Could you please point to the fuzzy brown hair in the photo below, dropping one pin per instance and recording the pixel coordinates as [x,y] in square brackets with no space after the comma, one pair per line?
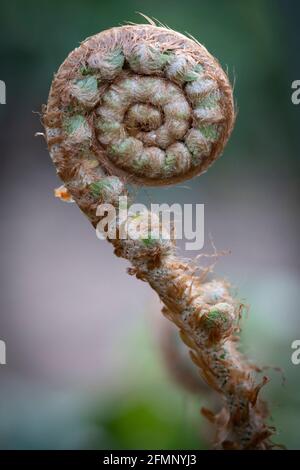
[147,105]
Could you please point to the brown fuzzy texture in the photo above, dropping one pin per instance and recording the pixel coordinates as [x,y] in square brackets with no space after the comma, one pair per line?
[147,105]
[178,363]
[127,37]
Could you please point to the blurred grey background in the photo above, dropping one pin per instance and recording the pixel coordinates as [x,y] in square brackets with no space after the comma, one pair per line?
[84,362]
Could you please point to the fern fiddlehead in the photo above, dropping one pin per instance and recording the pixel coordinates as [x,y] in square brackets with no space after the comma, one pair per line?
[146,105]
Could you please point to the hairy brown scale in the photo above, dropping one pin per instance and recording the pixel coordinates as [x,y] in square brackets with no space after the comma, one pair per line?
[146,105]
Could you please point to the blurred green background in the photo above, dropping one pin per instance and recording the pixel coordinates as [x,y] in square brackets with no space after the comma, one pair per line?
[85,362]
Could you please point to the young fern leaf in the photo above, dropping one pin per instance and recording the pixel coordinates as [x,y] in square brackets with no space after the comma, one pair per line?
[145,104]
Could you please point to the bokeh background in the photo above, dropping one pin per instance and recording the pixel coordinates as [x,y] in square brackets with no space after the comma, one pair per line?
[86,360]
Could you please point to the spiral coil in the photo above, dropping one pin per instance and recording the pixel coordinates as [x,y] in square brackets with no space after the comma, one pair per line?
[140,102]
[146,105]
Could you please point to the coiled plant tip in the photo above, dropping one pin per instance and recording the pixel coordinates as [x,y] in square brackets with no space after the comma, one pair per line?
[146,105]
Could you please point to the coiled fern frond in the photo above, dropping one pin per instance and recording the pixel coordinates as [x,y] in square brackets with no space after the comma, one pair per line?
[146,105]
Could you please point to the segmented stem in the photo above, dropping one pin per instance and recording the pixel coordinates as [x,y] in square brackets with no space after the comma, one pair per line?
[147,105]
